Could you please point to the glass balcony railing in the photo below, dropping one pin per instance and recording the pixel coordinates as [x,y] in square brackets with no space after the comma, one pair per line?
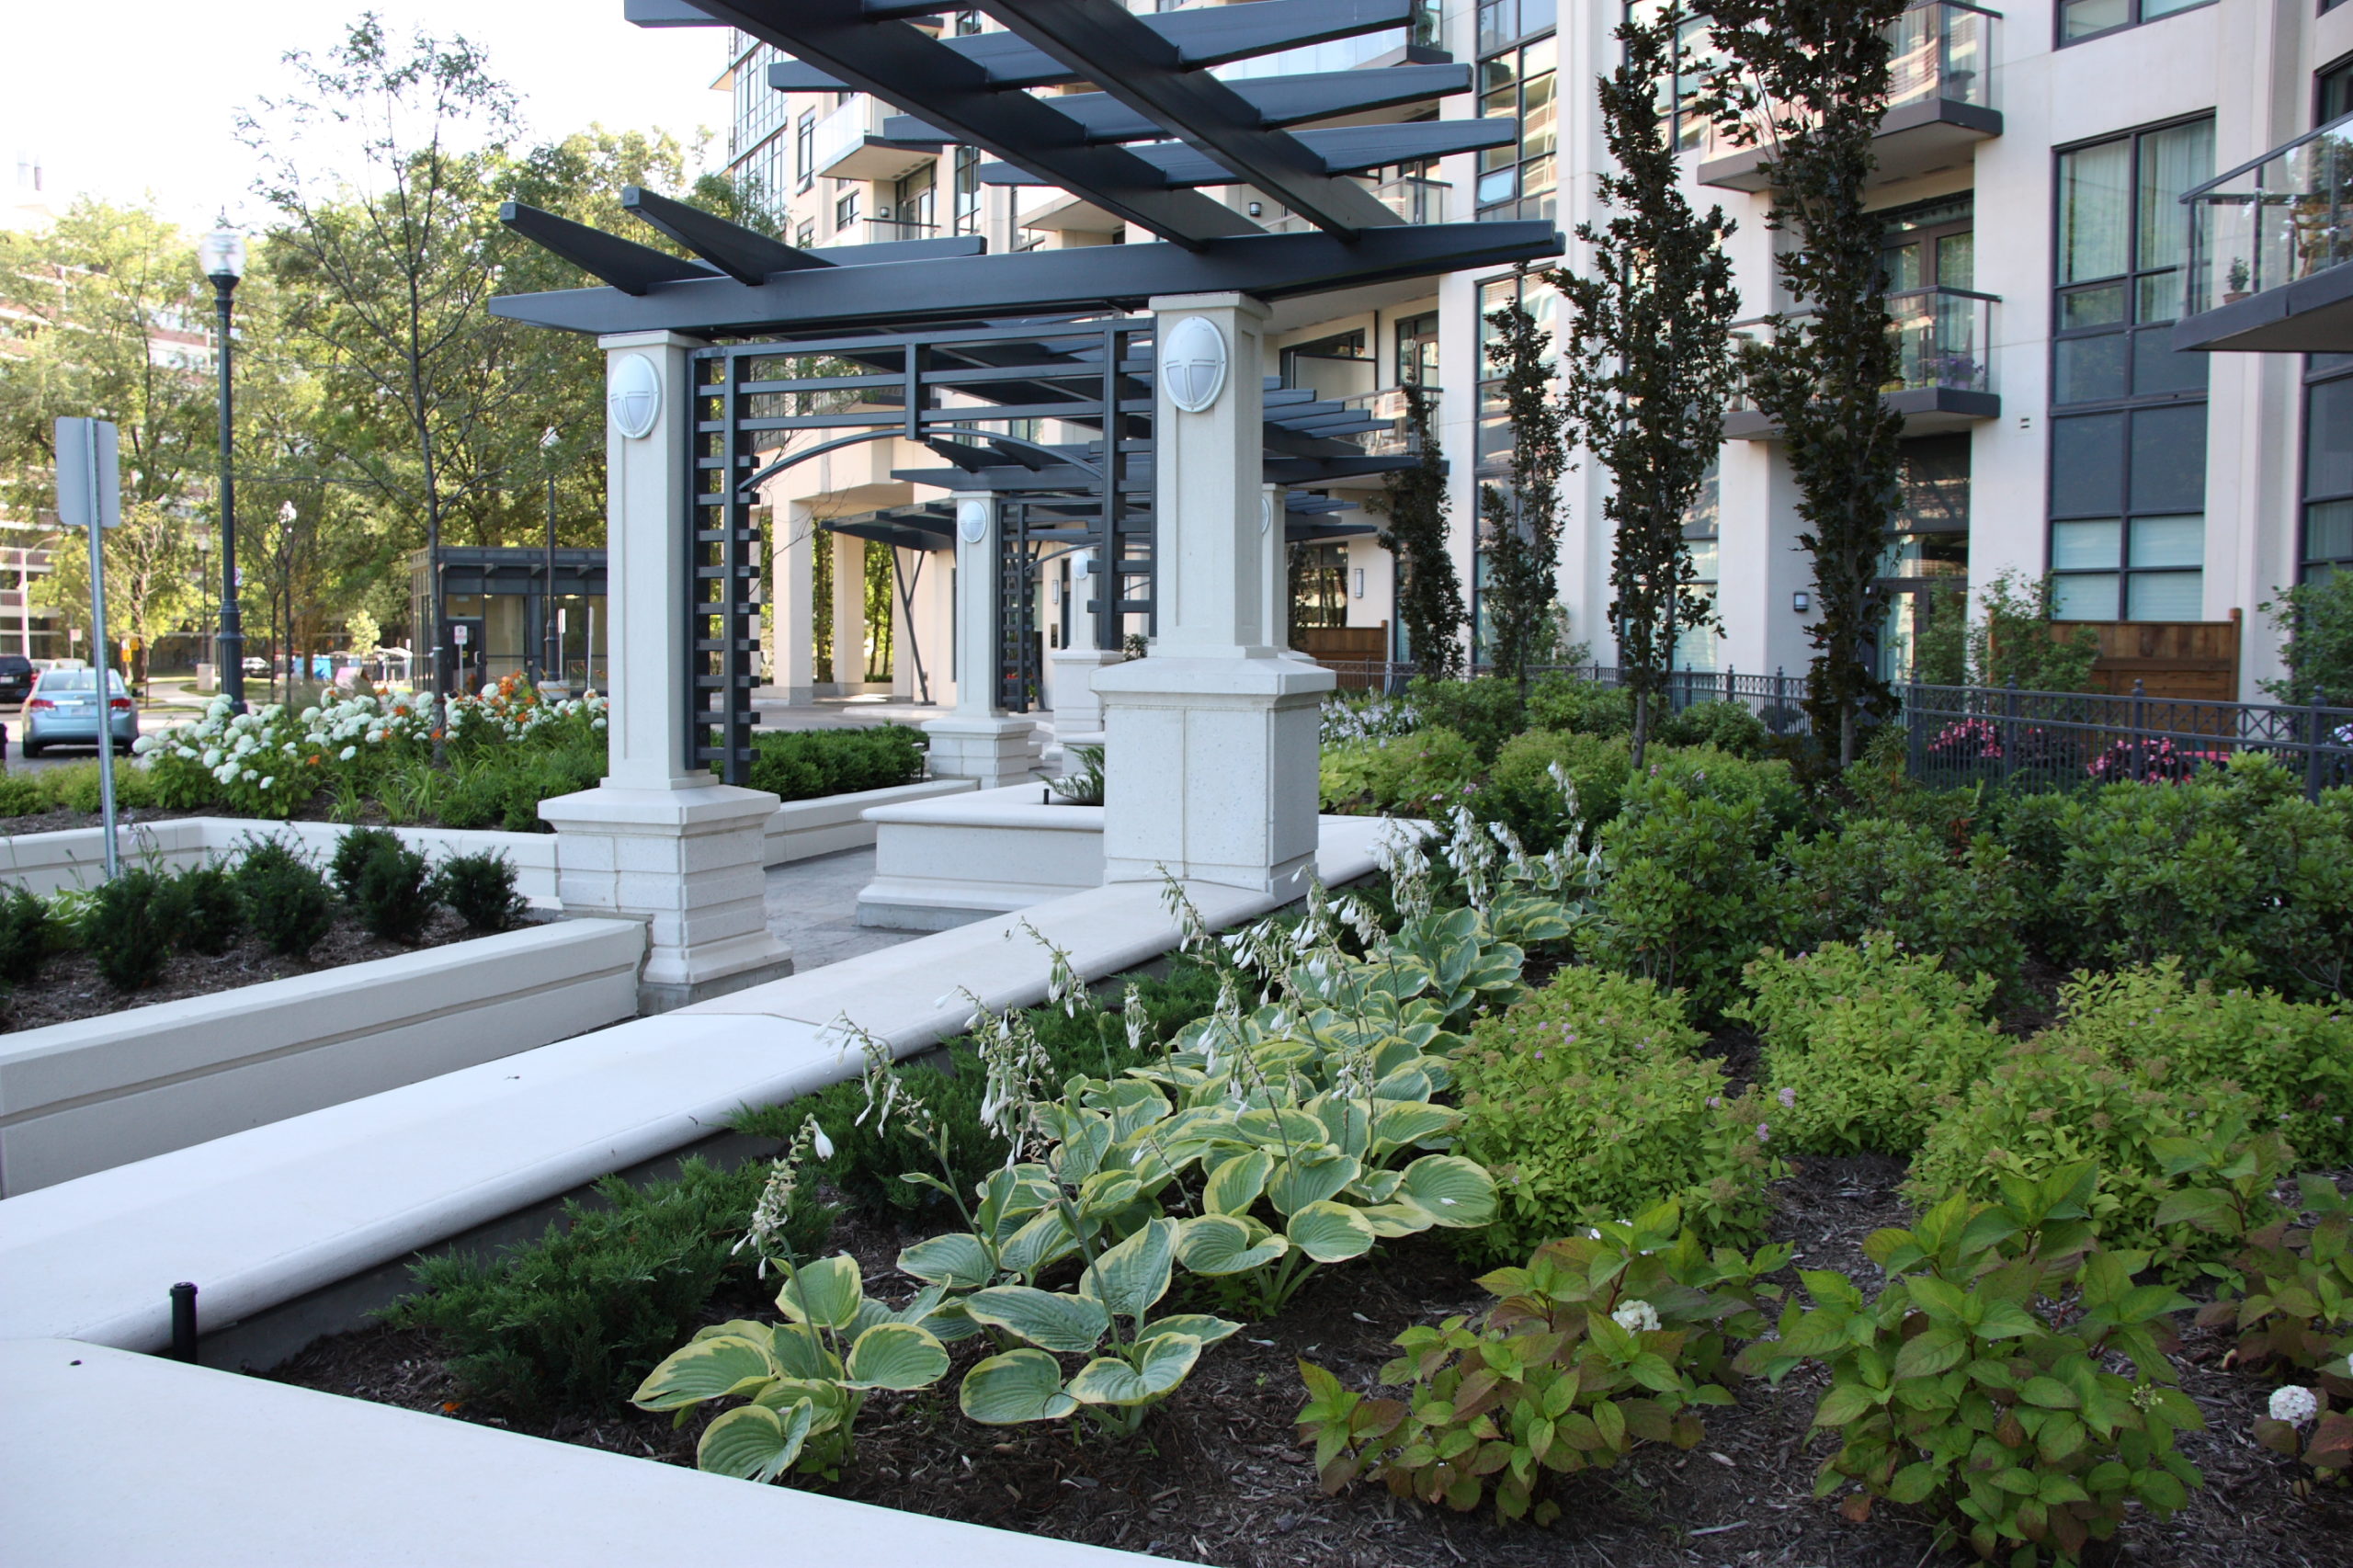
[1942,338]
[1942,53]
[1342,53]
[1414,200]
[882,231]
[1395,436]
[2285,216]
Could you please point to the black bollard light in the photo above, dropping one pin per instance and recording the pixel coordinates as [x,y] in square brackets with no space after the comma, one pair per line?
[183,1322]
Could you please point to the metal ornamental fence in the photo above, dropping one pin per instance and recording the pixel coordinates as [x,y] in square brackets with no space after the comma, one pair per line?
[2032,740]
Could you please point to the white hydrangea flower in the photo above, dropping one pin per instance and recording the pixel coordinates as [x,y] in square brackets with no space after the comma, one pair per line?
[2294,1406]
[350,752]
[1635,1317]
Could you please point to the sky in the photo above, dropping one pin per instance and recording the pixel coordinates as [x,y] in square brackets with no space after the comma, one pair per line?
[139,98]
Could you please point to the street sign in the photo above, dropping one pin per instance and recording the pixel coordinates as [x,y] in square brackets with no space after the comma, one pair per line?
[459,632]
[89,474]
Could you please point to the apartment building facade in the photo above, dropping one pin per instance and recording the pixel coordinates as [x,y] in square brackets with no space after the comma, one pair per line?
[2033,164]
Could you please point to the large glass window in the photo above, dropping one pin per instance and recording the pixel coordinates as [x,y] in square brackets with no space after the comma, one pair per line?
[1517,77]
[1928,547]
[804,149]
[1687,69]
[2080,19]
[1538,298]
[2327,546]
[2127,427]
[967,190]
[2333,92]
[1418,349]
[1696,646]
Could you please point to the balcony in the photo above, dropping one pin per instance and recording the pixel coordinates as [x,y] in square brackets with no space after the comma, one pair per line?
[848,143]
[2268,241]
[882,231]
[1414,200]
[1068,214]
[1944,375]
[1939,102]
[1395,436]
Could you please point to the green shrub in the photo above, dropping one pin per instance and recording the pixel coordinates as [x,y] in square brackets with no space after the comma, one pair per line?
[286,901]
[202,910]
[26,934]
[1522,794]
[1484,711]
[1580,707]
[2296,1058]
[21,796]
[352,851]
[468,799]
[2056,1102]
[1688,896]
[800,764]
[182,783]
[1878,875]
[1862,1042]
[1599,1344]
[1981,1384]
[1414,774]
[125,929]
[393,893]
[2316,622]
[572,1321]
[1586,1103]
[481,889]
[1727,726]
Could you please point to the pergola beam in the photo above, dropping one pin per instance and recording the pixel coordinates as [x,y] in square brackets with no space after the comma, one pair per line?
[1279,100]
[1341,149]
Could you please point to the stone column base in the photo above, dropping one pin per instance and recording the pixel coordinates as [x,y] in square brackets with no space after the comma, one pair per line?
[996,752]
[1211,770]
[1078,712]
[686,862]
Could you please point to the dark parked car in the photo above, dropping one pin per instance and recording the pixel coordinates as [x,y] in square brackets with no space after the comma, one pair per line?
[16,677]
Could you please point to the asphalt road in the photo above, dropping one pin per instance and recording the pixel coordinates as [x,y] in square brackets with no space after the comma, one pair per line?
[152,720]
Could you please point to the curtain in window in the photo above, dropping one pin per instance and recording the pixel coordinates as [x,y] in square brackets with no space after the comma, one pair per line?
[2094,224]
[2171,162]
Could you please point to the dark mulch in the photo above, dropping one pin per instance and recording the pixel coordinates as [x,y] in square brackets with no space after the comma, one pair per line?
[126,819]
[1217,1477]
[68,986]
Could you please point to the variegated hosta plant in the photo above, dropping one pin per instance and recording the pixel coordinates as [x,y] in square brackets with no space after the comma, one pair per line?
[1135,1360]
[805,1378]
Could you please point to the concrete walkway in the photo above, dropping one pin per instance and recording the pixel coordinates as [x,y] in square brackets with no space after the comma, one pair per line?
[812,909]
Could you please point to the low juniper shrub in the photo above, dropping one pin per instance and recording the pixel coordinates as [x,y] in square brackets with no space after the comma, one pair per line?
[26,934]
[287,901]
[126,931]
[572,1321]
[203,910]
[481,890]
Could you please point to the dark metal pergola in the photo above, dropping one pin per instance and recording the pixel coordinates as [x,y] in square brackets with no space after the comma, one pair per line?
[941,342]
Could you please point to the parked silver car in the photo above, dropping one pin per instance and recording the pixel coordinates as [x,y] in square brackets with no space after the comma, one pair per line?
[63,711]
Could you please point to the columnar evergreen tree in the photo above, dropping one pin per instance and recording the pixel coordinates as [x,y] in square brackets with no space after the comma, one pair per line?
[1522,526]
[1430,590]
[1806,82]
[1650,364]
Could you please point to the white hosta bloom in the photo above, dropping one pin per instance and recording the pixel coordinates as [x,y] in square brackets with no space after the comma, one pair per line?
[823,1144]
[1635,1317]
[2294,1406]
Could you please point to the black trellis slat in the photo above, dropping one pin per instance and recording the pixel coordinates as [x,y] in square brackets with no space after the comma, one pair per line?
[723,580]
[1017,612]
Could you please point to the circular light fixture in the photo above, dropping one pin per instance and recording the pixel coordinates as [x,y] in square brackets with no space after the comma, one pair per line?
[221,253]
[1192,364]
[634,396]
[972,522]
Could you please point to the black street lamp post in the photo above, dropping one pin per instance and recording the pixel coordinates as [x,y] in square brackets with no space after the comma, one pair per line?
[552,648]
[222,253]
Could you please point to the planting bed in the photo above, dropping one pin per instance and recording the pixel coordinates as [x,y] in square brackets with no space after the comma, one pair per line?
[69,988]
[1218,1477]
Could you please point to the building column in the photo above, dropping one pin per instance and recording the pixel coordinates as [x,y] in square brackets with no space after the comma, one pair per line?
[980,739]
[660,840]
[792,651]
[1210,739]
[850,610]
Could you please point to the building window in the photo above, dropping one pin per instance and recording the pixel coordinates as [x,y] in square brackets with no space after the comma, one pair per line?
[967,216]
[2327,546]
[1539,300]
[1516,79]
[1688,65]
[1319,588]
[2333,96]
[1928,547]
[804,150]
[2080,19]
[806,234]
[910,207]
[1695,646]
[1418,349]
[846,210]
[2127,427]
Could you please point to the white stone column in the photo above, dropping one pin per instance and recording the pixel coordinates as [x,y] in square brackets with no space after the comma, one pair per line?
[660,840]
[793,654]
[850,610]
[980,739]
[1211,740]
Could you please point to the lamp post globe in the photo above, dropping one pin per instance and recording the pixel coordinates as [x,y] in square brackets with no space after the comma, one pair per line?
[222,254]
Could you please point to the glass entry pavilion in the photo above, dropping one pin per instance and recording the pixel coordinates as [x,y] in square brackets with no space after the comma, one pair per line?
[505,600]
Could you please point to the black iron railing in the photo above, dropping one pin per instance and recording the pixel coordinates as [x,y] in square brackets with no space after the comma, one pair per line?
[1778,699]
[2047,740]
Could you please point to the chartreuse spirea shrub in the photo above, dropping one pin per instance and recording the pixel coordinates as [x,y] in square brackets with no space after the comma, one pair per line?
[1418,774]
[1962,904]
[1605,1340]
[1586,1099]
[1983,1383]
[1865,1041]
[573,1321]
[2056,1103]
[2296,1058]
